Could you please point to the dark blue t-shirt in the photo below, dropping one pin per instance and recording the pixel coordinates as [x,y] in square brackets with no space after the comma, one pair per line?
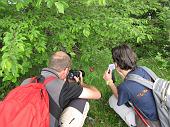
[137,94]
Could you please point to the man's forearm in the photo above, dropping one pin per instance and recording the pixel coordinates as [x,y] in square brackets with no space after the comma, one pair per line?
[88,86]
[90,92]
[113,88]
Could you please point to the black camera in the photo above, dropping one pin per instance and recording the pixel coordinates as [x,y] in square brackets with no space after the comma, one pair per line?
[76,73]
[113,77]
[111,68]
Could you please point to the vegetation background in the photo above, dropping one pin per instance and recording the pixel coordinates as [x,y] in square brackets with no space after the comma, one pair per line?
[31,30]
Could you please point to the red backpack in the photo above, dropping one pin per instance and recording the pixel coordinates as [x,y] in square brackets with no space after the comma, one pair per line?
[26,105]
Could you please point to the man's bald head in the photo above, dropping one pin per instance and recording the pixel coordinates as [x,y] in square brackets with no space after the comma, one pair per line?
[59,61]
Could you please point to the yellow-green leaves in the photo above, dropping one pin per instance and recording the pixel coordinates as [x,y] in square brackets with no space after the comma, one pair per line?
[49,3]
[86,32]
[60,7]
[102,2]
[99,2]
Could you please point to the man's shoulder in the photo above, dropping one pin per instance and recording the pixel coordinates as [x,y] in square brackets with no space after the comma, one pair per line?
[132,85]
[25,81]
[63,85]
[127,85]
[141,72]
[71,86]
[55,84]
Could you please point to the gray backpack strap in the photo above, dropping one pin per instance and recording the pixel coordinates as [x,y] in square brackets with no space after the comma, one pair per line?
[150,72]
[140,80]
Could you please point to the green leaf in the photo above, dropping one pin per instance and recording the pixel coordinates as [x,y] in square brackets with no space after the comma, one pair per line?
[49,3]
[19,6]
[139,40]
[6,64]
[65,4]
[60,7]
[21,47]
[7,77]
[149,37]
[4,48]
[1,74]
[86,32]
[38,3]
[102,2]
[2,8]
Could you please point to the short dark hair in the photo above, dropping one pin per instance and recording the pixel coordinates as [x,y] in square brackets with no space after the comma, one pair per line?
[124,56]
[59,61]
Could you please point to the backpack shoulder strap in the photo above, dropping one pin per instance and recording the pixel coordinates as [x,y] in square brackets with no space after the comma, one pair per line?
[140,80]
[42,79]
[150,72]
[49,79]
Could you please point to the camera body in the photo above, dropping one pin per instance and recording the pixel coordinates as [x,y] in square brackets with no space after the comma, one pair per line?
[111,68]
[76,73]
[113,77]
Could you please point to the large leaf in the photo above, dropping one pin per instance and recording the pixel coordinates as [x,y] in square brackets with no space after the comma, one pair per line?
[60,7]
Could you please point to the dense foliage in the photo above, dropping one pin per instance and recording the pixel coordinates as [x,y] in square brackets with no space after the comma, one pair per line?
[32,29]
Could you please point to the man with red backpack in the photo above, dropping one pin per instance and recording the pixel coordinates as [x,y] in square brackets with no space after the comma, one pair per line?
[68,101]
[26,105]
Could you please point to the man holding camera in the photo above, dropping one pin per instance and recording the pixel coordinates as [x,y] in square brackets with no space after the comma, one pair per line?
[138,95]
[68,101]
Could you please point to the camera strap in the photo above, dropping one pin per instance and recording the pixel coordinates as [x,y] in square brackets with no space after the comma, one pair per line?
[51,70]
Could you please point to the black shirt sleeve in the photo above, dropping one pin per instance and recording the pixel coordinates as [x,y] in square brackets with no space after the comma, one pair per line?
[70,91]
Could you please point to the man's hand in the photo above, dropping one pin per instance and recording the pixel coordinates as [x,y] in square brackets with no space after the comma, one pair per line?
[79,79]
[89,92]
[108,76]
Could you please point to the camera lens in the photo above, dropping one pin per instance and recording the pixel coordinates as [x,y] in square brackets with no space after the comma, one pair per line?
[76,73]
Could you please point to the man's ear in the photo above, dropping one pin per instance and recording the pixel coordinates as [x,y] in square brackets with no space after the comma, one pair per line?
[66,70]
[116,65]
[64,73]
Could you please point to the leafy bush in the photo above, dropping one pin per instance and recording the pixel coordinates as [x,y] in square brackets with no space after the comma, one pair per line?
[32,30]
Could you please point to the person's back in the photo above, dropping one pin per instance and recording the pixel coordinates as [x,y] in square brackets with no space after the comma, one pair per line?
[60,93]
[140,97]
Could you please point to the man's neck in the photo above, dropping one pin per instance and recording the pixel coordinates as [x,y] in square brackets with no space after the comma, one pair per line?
[125,72]
[52,71]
